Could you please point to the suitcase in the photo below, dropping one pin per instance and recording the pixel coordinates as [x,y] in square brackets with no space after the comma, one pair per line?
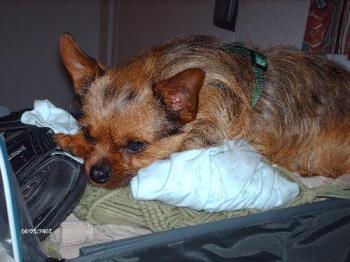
[311,232]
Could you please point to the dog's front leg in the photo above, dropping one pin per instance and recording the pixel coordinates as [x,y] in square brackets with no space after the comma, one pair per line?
[76,144]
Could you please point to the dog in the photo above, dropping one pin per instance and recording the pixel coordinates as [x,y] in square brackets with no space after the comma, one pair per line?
[190,93]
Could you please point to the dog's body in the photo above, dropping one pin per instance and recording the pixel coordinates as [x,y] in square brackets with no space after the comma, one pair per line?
[189,93]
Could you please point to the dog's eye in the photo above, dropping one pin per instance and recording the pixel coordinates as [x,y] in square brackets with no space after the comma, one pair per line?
[134,147]
[88,136]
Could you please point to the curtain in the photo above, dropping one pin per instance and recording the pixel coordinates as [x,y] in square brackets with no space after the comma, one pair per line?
[328,27]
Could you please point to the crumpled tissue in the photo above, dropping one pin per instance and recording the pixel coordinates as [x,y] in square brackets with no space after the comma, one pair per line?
[45,114]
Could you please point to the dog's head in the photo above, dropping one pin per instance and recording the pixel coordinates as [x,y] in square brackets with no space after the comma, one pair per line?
[131,116]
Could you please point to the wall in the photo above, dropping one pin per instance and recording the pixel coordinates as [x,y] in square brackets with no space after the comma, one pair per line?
[30,67]
[112,30]
[271,22]
[143,24]
[115,31]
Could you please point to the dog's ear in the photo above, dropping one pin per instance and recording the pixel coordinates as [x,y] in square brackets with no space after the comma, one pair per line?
[82,68]
[180,93]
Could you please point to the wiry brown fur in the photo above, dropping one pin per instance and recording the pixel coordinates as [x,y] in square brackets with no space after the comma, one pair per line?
[301,122]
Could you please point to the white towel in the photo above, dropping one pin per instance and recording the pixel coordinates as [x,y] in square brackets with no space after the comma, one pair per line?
[225,178]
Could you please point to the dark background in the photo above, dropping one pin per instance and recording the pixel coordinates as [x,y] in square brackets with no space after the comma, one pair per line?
[116,30]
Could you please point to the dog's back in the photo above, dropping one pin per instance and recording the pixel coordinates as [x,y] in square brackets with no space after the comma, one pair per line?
[302,120]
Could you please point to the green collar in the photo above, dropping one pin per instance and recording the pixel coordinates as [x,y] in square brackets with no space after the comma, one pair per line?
[259,64]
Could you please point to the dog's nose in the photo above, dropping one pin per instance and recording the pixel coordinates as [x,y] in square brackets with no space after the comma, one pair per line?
[100,173]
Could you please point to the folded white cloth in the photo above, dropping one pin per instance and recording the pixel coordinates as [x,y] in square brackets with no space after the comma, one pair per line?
[225,178]
[45,114]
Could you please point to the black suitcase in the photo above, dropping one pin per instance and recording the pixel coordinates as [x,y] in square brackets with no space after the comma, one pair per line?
[50,181]
[318,232]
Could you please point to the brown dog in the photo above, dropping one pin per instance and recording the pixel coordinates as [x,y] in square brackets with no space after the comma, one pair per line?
[189,93]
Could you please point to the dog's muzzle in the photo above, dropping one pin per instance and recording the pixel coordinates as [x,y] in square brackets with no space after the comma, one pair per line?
[100,173]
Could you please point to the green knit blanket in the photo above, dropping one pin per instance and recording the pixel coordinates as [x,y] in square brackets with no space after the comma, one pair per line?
[102,206]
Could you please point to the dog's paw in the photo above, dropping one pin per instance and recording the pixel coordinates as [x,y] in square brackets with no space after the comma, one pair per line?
[75,144]
[64,141]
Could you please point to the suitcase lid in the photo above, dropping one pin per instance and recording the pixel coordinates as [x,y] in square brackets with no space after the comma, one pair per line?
[16,244]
